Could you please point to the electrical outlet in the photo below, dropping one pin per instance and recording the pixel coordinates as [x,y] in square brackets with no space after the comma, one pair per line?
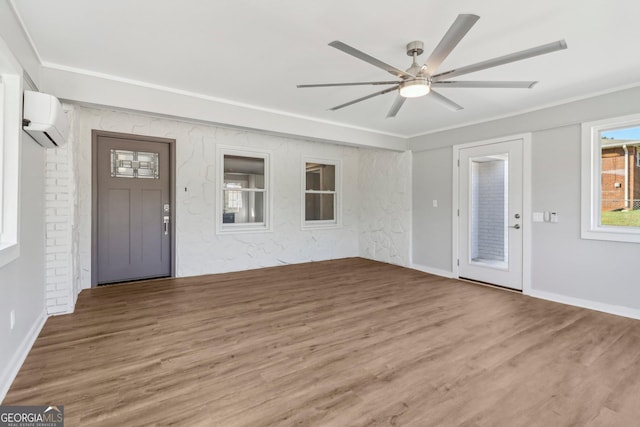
[554,216]
[12,319]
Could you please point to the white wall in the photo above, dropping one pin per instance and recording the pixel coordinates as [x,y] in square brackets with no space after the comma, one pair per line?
[199,249]
[432,225]
[563,263]
[22,281]
[384,200]
[12,33]
[102,89]
[598,274]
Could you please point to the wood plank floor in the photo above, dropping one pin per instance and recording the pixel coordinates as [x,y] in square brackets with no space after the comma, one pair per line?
[338,343]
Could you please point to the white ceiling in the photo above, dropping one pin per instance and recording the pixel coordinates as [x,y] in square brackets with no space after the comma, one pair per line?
[255,52]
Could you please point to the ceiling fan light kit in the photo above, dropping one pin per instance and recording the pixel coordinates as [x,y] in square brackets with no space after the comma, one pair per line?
[414,88]
[419,80]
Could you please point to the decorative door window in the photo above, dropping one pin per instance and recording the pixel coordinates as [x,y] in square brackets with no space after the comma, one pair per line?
[134,164]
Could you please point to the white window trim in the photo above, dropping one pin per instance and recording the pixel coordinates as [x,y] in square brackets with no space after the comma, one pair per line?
[11,117]
[591,182]
[322,224]
[267,225]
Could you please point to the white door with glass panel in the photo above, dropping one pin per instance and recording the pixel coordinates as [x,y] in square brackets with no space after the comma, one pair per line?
[490,213]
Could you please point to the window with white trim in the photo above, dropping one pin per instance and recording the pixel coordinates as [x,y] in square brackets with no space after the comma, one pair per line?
[610,179]
[1,152]
[320,193]
[10,131]
[243,191]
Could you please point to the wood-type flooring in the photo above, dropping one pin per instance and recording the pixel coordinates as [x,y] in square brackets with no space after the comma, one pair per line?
[348,342]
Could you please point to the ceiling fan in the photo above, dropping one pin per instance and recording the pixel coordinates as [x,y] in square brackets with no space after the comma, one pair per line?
[419,80]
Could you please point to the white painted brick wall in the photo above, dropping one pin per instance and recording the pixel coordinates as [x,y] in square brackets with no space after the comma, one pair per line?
[57,219]
[61,241]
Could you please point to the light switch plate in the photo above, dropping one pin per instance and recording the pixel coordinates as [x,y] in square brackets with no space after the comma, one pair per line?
[538,217]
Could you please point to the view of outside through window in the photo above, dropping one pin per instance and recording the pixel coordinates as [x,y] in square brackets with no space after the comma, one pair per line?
[1,148]
[320,192]
[243,190]
[620,177]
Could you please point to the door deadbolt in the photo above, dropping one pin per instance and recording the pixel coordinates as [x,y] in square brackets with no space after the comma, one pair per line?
[517,216]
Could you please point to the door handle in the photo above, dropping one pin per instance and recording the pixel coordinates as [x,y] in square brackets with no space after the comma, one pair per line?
[517,226]
[165,222]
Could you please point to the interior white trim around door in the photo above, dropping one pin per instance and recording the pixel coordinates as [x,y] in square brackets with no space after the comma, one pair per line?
[526,203]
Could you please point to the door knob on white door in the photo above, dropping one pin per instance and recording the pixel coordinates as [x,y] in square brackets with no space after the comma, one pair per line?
[517,226]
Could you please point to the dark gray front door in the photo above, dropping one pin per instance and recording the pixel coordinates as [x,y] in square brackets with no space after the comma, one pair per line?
[133,209]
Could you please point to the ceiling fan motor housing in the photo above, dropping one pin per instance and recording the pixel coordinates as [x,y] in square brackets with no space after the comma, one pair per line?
[416,47]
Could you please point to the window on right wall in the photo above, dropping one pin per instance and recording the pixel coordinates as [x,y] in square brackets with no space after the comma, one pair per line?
[321,185]
[611,179]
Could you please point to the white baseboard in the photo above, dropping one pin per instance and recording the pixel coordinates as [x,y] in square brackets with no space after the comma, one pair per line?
[11,370]
[618,310]
[431,270]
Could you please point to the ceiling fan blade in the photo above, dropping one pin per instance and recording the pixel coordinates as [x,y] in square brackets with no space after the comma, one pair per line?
[445,101]
[382,92]
[397,104]
[348,84]
[513,57]
[483,84]
[370,59]
[456,32]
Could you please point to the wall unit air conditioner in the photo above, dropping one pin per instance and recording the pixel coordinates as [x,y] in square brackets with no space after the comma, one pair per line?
[44,119]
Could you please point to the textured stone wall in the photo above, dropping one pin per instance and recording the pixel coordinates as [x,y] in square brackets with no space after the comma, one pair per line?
[384,201]
[199,249]
[375,196]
